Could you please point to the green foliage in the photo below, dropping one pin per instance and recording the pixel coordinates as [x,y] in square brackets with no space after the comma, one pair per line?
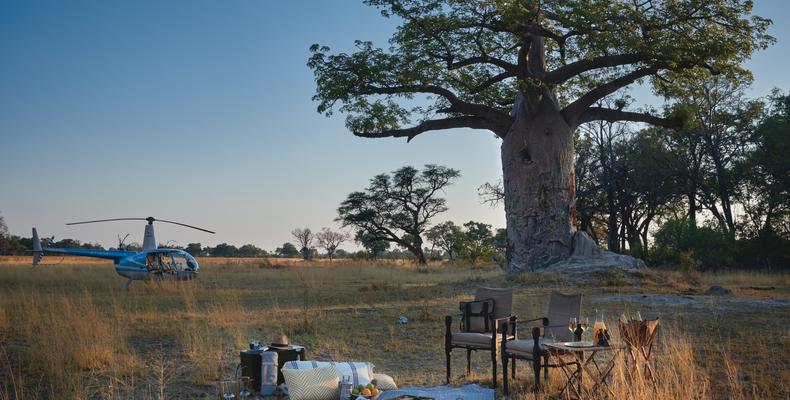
[224,250]
[249,250]
[448,237]
[375,247]
[3,227]
[678,242]
[474,242]
[467,58]
[398,207]
[288,250]
[767,180]
[195,249]
[767,249]
[478,242]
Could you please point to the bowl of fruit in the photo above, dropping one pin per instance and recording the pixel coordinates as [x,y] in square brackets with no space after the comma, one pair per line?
[369,391]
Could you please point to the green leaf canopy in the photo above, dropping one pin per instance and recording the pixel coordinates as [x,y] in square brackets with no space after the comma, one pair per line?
[465,63]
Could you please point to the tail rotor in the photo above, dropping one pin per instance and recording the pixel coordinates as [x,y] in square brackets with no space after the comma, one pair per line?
[38,251]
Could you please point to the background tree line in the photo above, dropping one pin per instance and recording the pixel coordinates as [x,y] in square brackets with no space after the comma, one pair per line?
[712,194]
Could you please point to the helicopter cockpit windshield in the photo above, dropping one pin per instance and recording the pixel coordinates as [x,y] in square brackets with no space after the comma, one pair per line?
[171,262]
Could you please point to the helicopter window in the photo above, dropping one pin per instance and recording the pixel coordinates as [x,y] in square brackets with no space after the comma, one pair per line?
[183,263]
[170,262]
[152,262]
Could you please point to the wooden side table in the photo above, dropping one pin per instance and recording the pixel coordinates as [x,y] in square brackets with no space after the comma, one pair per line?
[285,354]
[576,362]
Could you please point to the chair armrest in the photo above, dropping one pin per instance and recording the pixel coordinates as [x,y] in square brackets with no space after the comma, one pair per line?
[536,350]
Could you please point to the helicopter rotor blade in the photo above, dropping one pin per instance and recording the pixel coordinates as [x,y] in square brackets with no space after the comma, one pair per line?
[106,220]
[149,219]
[188,226]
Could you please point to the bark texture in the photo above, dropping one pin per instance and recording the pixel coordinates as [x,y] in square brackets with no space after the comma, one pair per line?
[537,166]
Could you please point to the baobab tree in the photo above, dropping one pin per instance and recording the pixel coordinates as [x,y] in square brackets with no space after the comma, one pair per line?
[530,72]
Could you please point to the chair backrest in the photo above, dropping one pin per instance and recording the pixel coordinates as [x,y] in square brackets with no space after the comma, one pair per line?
[561,308]
[476,316]
[503,300]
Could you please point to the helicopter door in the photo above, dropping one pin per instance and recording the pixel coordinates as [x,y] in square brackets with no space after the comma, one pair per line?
[159,263]
[152,262]
[167,264]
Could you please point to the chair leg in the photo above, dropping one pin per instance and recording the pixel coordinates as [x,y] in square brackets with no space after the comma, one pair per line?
[504,373]
[513,368]
[447,354]
[468,362]
[536,371]
[493,365]
[448,343]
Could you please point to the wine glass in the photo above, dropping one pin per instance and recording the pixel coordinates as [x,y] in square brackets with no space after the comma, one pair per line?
[572,326]
[584,323]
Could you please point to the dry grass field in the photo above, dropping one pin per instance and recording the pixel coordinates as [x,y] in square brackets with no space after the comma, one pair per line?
[70,331]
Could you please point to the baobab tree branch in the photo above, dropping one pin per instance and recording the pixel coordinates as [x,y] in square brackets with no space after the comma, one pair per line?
[568,71]
[492,80]
[457,105]
[612,115]
[574,110]
[484,59]
[432,125]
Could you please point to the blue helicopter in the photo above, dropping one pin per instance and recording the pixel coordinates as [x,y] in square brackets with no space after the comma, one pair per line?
[149,264]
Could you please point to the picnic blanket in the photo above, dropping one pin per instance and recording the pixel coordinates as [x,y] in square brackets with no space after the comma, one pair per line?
[468,392]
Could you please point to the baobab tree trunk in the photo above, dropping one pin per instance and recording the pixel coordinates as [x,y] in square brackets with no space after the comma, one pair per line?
[537,166]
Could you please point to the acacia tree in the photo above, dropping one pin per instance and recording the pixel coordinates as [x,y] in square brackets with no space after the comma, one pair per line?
[374,246]
[530,72]
[288,250]
[304,237]
[398,208]
[448,237]
[330,240]
[478,241]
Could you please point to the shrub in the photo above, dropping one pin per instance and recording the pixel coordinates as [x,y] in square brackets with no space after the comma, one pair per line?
[767,249]
[680,243]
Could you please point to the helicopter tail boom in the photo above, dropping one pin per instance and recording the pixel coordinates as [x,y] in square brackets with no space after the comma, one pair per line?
[38,251]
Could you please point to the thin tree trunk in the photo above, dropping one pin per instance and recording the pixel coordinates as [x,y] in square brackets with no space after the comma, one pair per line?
[692,197]
[612,241]
[537,166]
[420,256]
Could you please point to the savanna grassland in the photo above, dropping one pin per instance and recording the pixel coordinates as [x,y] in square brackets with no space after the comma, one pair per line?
[70,331]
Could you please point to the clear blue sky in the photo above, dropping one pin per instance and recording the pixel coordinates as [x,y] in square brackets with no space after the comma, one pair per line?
[201,112]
